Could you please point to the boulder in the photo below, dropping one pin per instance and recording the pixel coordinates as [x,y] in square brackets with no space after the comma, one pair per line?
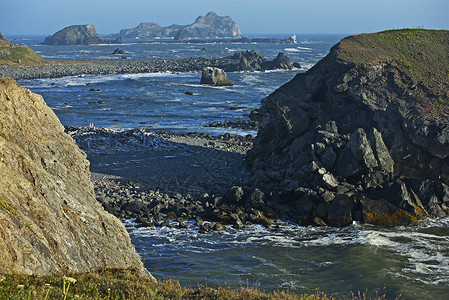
[50,220]
[118,51]
[217,76]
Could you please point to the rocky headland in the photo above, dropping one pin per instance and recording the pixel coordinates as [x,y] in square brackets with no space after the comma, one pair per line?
[50,221]
[75,35]
[243,61]
[208,26]
[18,55]
[362,136]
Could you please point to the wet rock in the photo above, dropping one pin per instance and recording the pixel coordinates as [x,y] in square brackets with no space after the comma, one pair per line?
[219,227]
[383,213]
[118,51]
[339,215]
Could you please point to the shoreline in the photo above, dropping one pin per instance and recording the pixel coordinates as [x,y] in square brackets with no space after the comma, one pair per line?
[158,178]
[245,61]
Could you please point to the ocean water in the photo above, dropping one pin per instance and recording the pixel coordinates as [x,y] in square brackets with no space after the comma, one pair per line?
[158,100]
[411,262]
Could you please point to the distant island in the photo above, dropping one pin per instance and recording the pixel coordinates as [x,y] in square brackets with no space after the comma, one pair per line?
[75,35]
[208,26]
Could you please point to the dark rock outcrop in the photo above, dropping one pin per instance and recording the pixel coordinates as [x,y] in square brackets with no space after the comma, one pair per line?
[118,51]
[208,26]
[75,35]
[217,76]
[355,140]
[49,219]
[252,60]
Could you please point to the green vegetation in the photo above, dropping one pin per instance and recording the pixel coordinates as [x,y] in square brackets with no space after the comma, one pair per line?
[11,54]
[122,284]
[422,55]
[420,58]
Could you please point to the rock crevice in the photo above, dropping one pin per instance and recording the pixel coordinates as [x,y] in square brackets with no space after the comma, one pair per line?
[356,137]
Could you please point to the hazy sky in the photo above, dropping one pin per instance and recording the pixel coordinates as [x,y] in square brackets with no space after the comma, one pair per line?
[253,16]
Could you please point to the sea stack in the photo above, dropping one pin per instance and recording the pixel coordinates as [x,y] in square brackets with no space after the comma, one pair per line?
[49,218]
[75,35]
[363,135]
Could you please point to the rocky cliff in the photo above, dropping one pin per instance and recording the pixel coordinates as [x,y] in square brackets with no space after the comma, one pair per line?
[49,218]
[75,35]
[363,135]
[209,26]
[13,55]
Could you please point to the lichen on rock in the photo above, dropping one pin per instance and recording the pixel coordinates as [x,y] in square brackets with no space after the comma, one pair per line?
[50,220]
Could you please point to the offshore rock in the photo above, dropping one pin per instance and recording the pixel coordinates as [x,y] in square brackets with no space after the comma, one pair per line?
[204,27]
[252,60]
[217,76]
[362,132]
[49,218]
[75,35]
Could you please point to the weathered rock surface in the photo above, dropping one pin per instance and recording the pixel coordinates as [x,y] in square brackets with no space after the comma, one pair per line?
[208,26]
[49,218]
[357,141]
[217,76]
[75,35]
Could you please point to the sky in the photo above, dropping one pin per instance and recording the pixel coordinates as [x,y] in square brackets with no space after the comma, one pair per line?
[253,16]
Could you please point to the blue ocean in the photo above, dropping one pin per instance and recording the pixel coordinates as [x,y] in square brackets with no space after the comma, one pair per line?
[409,262]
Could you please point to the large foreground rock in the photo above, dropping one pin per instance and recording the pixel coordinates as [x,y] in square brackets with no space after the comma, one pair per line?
[49,218]
[363,135]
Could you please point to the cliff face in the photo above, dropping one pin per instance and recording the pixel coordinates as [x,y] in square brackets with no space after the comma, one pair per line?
[75,35]
[209,26]
[49,218]
[363,135]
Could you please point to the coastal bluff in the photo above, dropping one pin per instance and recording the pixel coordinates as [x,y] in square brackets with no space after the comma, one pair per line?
[362,136]
[50,221]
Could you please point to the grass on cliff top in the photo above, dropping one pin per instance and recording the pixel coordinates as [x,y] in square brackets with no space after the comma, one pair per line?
[122,284]
[9,54]
[423,55]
